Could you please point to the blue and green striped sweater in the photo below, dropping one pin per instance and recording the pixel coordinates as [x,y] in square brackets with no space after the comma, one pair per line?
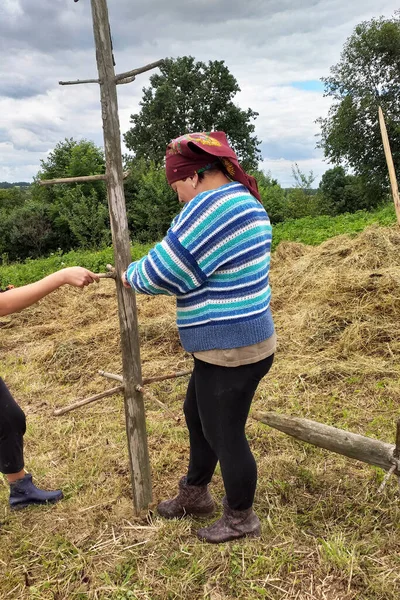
[215,259]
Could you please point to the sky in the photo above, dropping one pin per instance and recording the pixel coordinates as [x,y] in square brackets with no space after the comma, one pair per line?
[278,50]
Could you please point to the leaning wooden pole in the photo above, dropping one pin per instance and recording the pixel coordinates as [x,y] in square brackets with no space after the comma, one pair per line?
[134,404]
[389,160]
[368,450]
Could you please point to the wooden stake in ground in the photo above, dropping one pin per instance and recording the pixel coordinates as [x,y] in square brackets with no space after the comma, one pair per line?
[132,374]
[389,160]
[134,405]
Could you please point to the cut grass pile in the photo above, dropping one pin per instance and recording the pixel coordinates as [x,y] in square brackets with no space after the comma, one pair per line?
[327,534]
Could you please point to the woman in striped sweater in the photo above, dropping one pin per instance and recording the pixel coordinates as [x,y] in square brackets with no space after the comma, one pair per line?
[215,259]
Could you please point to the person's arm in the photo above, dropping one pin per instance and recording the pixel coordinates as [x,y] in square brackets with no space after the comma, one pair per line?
[212,230]
[18,298]
[167,269]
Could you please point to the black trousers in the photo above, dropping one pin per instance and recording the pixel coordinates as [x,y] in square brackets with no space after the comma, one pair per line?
[12,429]
[216,408]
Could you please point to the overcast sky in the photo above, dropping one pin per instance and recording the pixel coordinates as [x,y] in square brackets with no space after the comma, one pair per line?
[277,49]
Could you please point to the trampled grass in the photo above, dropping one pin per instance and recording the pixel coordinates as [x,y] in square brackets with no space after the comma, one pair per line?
[327,533]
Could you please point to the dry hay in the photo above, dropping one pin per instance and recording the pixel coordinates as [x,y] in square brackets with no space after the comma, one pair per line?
[338,303]
[325,534]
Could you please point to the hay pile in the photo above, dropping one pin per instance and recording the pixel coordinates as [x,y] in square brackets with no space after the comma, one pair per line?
[337,305]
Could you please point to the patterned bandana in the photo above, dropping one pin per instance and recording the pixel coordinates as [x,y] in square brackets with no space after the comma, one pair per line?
[196,152]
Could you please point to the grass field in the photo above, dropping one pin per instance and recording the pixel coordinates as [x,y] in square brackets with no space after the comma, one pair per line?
[309,230]
[327,534]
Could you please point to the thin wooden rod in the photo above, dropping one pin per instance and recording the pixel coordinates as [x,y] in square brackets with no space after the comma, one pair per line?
[109,275]
[112,376]
[164,377]
[150,396]
[73,179]
[83,179]
[78,81]
[135,72]
[61,411]
[147,379]
[127,80]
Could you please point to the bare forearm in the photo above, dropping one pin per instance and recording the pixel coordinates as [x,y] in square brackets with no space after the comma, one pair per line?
[19,298]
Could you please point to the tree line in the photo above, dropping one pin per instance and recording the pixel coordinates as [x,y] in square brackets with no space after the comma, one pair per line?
[195,96]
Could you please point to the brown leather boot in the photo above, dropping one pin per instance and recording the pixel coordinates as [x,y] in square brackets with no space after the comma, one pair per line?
[233,524]
[193,500]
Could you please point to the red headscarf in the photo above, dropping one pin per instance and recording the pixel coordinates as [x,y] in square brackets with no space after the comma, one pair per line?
[188,154]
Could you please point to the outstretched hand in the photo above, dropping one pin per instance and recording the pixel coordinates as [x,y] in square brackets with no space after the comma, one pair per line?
[78,276]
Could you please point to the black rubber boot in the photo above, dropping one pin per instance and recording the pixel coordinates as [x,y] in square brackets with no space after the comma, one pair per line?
[193,500]
[24,493]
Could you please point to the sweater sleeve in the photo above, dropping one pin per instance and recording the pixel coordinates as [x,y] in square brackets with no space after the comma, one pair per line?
[212,229]
[167,269]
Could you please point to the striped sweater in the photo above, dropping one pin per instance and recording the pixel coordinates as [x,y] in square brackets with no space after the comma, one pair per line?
[215,259]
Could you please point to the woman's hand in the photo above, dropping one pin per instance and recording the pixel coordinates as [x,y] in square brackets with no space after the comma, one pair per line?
[124,280]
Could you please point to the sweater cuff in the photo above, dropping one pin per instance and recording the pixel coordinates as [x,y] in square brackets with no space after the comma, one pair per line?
[130,272]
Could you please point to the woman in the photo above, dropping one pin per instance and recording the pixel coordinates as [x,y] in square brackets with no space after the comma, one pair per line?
[215,260]
[23,492]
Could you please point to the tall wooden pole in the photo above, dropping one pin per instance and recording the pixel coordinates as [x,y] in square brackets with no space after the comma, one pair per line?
[389,161]
[134,405]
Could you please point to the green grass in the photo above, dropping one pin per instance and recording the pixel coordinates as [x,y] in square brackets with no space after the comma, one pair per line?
[315,230]
[33,269]
[326,532]
[309,230]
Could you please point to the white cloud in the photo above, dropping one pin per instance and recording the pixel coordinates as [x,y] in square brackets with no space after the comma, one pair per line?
[267,45]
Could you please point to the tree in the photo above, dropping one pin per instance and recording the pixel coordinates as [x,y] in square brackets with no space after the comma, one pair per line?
[78,212]
[302,181]
[346,193]
[367,75]
[191,96]
[151,203]
[29,232]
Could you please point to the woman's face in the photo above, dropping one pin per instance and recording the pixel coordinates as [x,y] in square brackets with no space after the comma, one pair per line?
[185,189]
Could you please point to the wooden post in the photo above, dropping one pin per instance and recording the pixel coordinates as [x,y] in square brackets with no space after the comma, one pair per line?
[353,445]
[134,405]
[389,160]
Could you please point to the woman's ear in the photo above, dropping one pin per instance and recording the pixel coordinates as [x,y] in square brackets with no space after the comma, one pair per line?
[195,180]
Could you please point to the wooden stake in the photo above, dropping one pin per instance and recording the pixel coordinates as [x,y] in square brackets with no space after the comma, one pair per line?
[368,450]
[132,375]
[389,160]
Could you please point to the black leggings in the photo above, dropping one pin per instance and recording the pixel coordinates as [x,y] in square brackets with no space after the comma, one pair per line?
[12,429]
[216,407]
